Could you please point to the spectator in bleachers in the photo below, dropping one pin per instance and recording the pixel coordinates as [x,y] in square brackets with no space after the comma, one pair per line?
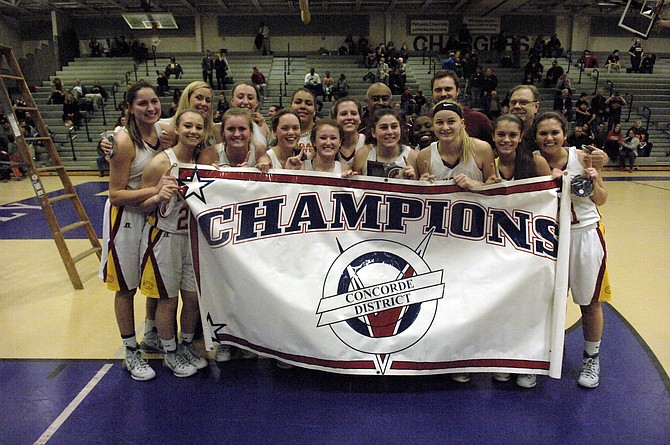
[553,74]
[583,115]
[380,52]
[370,59]
[382,71]
[57,94]
[648,62]
[613,62]
[563,104]
[450,62]
[396,81]
[403,52]
[475,83]
[613,142]
[599,105]
[628,151]
[515,46]
[78,89]
[563,83]
[636,52]
[341,88]
[600,135]
[590,60]
[407,102]
[221,68]
[94,47]
[490,83]
[616,103]
[554,46]
[71,111]
[578,138]
[173,68]
[258,79]
[162,83]
[533,68]
[644,148]
[264,33]
[223,105]
[207,65]
[391,54]
[328,85]
[313,82]
[492,105]
[420,100]
[97,94]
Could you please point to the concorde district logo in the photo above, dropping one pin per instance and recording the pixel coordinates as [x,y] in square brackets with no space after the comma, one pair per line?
[376,290]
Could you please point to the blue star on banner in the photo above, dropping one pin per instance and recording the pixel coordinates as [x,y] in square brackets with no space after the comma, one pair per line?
[195,186]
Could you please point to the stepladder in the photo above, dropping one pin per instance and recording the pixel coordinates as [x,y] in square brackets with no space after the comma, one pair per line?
[17,103]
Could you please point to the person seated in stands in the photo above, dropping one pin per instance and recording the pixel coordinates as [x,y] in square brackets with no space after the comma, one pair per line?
[599,105]
[613,62]
[648,62]
[554,46]
[97,94]
[563,83]
[420,100]
[616,103]
[341,88]
[370,60]
[382,71]
[313,82]
[563,104]
[78,89]
[590,59]
[162,83]
[613,142]
[57,94]
[450,62]
[223,105]
[578,138]
[396,81]
[95,48]
[71,111]
[553,74]
[628,151]
[173,68]
[328,85]
[489,84]
[583,115]
[534,68]
[600,135]
[258,79]
[403,52]
[644,148]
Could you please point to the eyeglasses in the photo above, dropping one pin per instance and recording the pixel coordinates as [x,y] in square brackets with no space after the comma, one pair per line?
[523,103]
[380,98]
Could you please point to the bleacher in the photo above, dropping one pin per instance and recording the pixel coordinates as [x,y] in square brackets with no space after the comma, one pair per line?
[649,91]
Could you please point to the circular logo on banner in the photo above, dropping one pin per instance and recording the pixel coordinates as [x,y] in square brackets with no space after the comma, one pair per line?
[380,297]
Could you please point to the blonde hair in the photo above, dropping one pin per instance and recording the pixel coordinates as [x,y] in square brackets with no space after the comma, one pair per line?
[467,146]
[185,104]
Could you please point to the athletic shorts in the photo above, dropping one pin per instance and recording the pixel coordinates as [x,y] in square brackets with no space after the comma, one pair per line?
[588,279]
[122,235]
[166,264]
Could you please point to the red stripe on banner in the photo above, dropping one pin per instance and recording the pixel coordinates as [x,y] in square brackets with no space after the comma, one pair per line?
[334,364]
[397,186]
[478,363]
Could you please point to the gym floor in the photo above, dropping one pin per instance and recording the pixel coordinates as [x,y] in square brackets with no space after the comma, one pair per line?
[63,380]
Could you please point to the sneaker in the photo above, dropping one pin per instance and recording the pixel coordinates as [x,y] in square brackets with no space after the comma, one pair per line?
[224,354]
[137,366]
[246,355]
[502,376]
[460,378]
[284,365]
[526,380]
[187,350]
[590,376]
[151,342]
[179,365]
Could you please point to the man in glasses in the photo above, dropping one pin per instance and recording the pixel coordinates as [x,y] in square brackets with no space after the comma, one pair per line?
[445,86]
[524,101]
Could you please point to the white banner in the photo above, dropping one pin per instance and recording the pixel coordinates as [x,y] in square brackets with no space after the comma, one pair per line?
[367,276]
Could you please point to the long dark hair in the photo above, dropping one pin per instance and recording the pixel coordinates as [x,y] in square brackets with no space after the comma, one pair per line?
[524,164]
[131,125]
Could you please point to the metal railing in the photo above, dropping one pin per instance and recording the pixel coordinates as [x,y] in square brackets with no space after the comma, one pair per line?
[629,98]
[71,137]
[596,74]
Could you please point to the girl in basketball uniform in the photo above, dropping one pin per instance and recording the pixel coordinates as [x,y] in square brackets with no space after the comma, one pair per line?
[135,146]
[454,155]
[347,112]
[303,102]
[246,95]
[587,276]
[287,130]
[167,268]
[397,160]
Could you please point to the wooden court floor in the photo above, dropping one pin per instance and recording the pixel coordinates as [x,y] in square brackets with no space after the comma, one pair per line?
[43,318]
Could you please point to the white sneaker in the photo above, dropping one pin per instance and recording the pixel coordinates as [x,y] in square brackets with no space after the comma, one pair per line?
[502,376]
[179,365]
[526,380]
[590,376]
[460,378]
[189,353]
[137,366]
[224,354]
[151,342]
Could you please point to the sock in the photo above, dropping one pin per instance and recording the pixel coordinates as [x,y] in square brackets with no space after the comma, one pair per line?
[187,338]
[170,346]
[149,325]
[591,348]
[130,342]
